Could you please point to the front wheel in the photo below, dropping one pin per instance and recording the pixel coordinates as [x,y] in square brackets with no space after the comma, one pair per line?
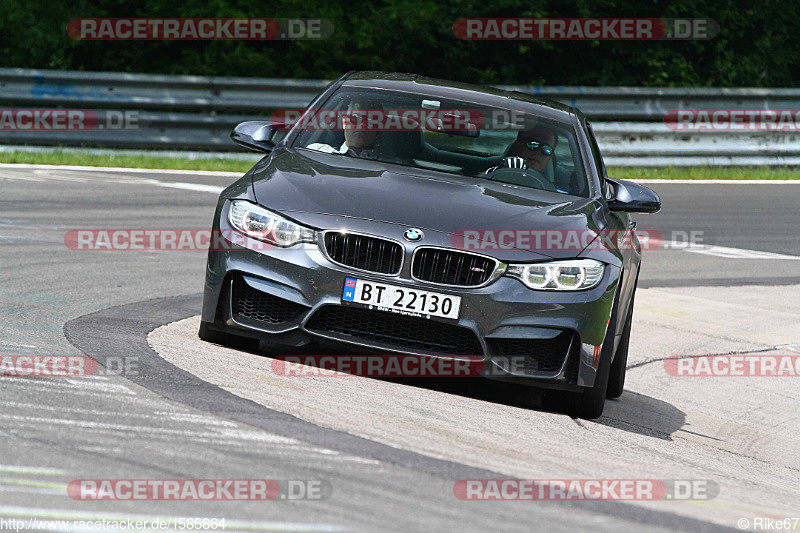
[590,402]
[616,379]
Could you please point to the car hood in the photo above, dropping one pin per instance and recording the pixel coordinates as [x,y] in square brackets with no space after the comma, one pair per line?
[306,183]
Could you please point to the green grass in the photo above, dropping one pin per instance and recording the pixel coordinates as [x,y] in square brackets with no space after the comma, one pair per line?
[233,165]
[705,173]
[127,161]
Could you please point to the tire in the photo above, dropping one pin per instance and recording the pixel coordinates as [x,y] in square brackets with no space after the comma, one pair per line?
[590,402]
[616,376]
[616,380]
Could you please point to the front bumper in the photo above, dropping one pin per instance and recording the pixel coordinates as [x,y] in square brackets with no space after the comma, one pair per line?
[291,296]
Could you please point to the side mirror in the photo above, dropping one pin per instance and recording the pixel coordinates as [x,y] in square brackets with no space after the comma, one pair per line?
[255,135]
[632,197]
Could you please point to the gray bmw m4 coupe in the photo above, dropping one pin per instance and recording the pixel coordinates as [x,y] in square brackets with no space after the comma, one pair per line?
[408,215]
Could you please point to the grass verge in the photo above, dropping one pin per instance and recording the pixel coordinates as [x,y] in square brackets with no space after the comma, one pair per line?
[234,165]
[705,173]
[126,161]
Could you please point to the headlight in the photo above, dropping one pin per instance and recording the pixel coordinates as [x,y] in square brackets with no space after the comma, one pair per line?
[570,275]
[258,223]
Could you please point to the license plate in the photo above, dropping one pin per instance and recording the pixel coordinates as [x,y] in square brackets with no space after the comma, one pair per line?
[401,300]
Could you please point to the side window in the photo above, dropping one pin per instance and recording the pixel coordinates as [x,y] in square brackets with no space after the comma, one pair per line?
[598,160]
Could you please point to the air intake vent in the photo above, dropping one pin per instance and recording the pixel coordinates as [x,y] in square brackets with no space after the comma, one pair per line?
[388,330]
[535,356]
[450,267]
[253,306]
[364,253]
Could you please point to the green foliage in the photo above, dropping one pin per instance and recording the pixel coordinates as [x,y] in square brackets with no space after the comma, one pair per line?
[57,157]
[756,45]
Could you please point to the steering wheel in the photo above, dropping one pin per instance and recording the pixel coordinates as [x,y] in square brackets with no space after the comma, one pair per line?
[522,176]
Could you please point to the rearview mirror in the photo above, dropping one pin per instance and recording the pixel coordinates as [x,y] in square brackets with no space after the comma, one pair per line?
[255,135]
[453,124]
[632,198]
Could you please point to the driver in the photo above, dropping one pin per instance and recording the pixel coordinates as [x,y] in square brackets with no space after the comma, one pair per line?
[532,149]
[358,140]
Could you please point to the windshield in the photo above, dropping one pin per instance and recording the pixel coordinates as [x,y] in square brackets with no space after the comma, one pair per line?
[429,132]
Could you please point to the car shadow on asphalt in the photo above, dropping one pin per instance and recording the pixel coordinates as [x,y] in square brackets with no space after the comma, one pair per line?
[644,415]
[633,412]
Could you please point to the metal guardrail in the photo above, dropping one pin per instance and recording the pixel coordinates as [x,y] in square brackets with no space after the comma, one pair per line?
[646,104]
[198,113]
[116,90]
[155,130]
[654,144]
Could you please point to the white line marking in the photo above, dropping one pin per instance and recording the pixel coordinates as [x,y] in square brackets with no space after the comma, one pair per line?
[717,251]
[63,387]
[15,344]
[732,253]
[791,347]
[214,433]
[22,166]
[104,449]
[168,154]
[50,173]
[158,415]
[31,490]
[336,456]
[31,470]
[195,418]
[95,386]
[191,186]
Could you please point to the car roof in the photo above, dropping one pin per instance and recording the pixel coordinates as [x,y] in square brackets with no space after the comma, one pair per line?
[491,96]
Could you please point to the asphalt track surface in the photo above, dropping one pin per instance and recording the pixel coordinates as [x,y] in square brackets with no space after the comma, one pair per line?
[391,451]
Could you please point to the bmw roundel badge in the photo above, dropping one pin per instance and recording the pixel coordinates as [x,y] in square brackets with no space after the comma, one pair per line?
[412,234]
